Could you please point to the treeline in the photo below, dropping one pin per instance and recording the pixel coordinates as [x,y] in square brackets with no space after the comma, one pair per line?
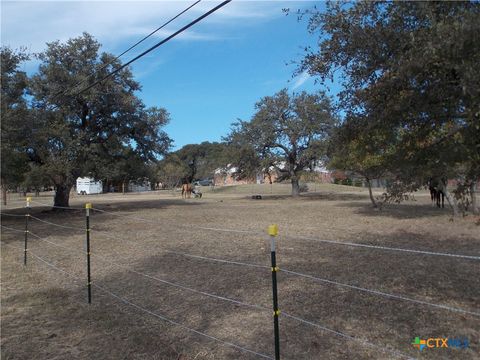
[408,110]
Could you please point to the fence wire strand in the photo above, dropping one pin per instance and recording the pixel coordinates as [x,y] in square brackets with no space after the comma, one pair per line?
[379,247]
[346,336]
[358,288]
[13,215]
[251,232]
[56,206]
[380,293]
[138,307]
[296,318]
[12,229]
[57,225]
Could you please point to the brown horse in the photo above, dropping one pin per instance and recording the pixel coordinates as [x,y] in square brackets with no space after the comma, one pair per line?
[186,191]
[437,189]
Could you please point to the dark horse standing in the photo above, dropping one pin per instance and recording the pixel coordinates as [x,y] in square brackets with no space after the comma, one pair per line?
[437,191]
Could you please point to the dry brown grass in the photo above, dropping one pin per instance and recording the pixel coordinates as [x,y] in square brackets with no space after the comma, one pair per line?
[45,315]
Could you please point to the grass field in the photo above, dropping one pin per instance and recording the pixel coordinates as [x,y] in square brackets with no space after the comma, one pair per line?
[140,240]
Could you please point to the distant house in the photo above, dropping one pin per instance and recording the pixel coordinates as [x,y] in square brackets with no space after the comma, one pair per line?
[227,176]
[319,173]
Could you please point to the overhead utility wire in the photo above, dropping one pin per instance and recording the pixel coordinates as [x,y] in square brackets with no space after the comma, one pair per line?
[132,47]
[157,45]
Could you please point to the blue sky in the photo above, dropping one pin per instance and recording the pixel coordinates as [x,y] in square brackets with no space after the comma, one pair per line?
[207,78]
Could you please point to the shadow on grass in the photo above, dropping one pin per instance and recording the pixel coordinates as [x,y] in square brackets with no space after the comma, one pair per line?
[409,210]
[70,222]
[320,196]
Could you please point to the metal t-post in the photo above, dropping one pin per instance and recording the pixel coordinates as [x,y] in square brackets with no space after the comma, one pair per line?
[273,232]
[88,206]
[27,215]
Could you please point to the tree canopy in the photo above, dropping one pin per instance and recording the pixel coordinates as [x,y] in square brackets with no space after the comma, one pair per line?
[193,162]
[77,132]
[14,110]
[288,131]
[408,68]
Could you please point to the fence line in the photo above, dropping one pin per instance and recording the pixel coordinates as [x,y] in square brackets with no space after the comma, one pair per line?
[307,322]
[79,251]
[56,206]
[377,247]
[58,225]
[164,318]
[358,288]
[318,279]
[12,229]
[376,292]
[346,336]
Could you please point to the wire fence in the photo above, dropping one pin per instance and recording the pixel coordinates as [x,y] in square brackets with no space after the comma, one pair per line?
[149,312]
[237,302]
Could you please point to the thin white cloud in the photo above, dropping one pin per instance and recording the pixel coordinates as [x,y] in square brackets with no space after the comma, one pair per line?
[33,23]
[300,80]
[114,24]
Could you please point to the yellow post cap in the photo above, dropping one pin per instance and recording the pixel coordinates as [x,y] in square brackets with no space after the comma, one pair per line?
[273,230]
[88,205]
[29,199]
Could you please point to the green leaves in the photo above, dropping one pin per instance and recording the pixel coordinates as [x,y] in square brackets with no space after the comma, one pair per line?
[286,129]
[68,132]
[410,75]
[14,130]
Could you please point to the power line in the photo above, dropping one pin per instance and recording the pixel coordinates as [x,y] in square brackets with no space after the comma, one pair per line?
[132,47]
[157,45]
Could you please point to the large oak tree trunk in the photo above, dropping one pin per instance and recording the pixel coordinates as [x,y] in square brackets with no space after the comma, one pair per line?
[62,195]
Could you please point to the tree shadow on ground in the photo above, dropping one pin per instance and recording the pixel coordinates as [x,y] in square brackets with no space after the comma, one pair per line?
[330,196]
[409,210]
[64,224]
